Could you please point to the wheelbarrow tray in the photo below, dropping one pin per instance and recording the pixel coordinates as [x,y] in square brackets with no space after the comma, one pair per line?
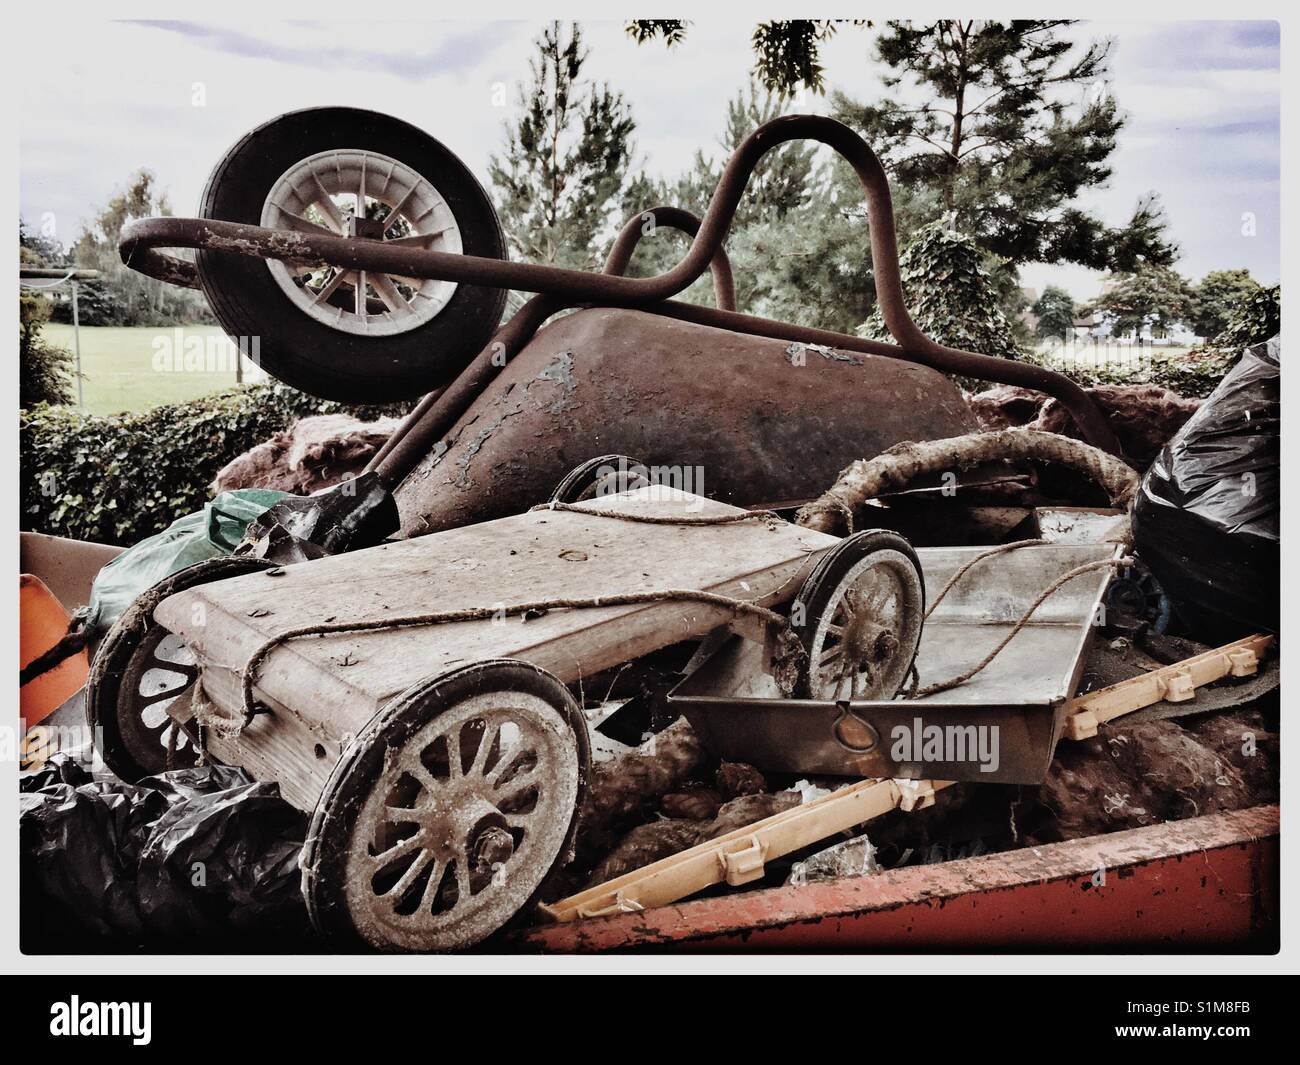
[740,715]
[322,690]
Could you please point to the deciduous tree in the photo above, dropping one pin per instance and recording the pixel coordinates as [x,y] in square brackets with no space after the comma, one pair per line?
[1154,297]
[1055,312]
[1218,295]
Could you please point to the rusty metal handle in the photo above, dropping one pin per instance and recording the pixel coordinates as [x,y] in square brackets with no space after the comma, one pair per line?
[620,254]
[141,238]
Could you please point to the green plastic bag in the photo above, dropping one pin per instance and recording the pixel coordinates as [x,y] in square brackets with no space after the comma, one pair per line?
[209,533]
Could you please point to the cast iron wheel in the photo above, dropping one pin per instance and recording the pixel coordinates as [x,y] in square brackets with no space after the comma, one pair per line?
[449,811]
[601,476]
[342,334]
[140,670]
[862,609]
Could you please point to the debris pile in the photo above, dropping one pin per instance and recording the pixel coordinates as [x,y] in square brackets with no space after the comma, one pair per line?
[1144,417]
[312,454]
[1208,517]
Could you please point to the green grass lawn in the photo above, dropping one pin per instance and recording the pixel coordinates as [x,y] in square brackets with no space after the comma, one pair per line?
[133,368]
[1107,352]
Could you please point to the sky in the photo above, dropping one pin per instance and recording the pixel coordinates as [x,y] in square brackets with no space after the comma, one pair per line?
[104,99]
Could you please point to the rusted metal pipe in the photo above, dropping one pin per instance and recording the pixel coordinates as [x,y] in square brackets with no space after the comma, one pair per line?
[141,238]
[435,425]
[620,254]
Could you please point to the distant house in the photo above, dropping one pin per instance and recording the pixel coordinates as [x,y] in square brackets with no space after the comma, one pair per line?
[1089,327]
[1030,297]
[1094,328]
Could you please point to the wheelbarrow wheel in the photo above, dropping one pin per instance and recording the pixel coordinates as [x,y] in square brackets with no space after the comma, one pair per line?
[450,810]
[141,668]
[859,617]
[340,334]
[602,476]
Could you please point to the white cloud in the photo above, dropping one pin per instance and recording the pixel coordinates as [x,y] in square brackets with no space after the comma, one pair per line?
[106,98]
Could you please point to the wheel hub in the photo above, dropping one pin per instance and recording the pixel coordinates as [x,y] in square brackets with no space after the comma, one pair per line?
[873,614]
[463,822]
[367,195]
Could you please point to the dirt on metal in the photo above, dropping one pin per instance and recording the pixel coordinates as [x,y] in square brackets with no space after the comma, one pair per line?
[709,411]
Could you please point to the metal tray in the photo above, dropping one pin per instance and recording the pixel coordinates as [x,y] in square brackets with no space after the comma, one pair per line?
[1001,726]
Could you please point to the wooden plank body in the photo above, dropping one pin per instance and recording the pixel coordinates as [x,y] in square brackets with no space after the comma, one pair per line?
[322,690]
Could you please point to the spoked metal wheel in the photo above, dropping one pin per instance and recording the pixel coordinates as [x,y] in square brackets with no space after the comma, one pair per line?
[449,811]
[140,670]
[161,669]
[601,476]
[862,610]
[357,193]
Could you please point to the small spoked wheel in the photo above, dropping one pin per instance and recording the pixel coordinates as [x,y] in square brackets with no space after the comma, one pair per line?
[140,670]
[859,617]
[449,811]
[602,476]
[348,334]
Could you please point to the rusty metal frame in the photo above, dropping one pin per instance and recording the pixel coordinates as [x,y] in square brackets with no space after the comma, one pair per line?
[1209,883]
[559,289]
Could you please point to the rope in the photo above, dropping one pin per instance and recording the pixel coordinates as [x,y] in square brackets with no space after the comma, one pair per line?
[740,606]
[73,641]
[1078,571]
[971,563]
[769,516]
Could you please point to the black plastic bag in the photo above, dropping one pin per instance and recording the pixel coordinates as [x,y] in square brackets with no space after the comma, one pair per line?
[195,853]
[1207,518]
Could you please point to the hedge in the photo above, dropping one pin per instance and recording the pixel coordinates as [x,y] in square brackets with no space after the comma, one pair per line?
[1195,373]
[119,478]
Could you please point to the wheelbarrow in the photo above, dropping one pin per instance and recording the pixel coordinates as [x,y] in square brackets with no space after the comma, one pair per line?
[362,261]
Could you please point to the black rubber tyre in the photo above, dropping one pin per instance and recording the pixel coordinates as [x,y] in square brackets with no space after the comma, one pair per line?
[309,354]
[603,475]
[338,837]
[821,595]
[130,747]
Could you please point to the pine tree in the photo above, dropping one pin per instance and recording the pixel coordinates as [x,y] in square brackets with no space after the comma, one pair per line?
[561,174]
[782,185]
[787,52]
[977,112]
